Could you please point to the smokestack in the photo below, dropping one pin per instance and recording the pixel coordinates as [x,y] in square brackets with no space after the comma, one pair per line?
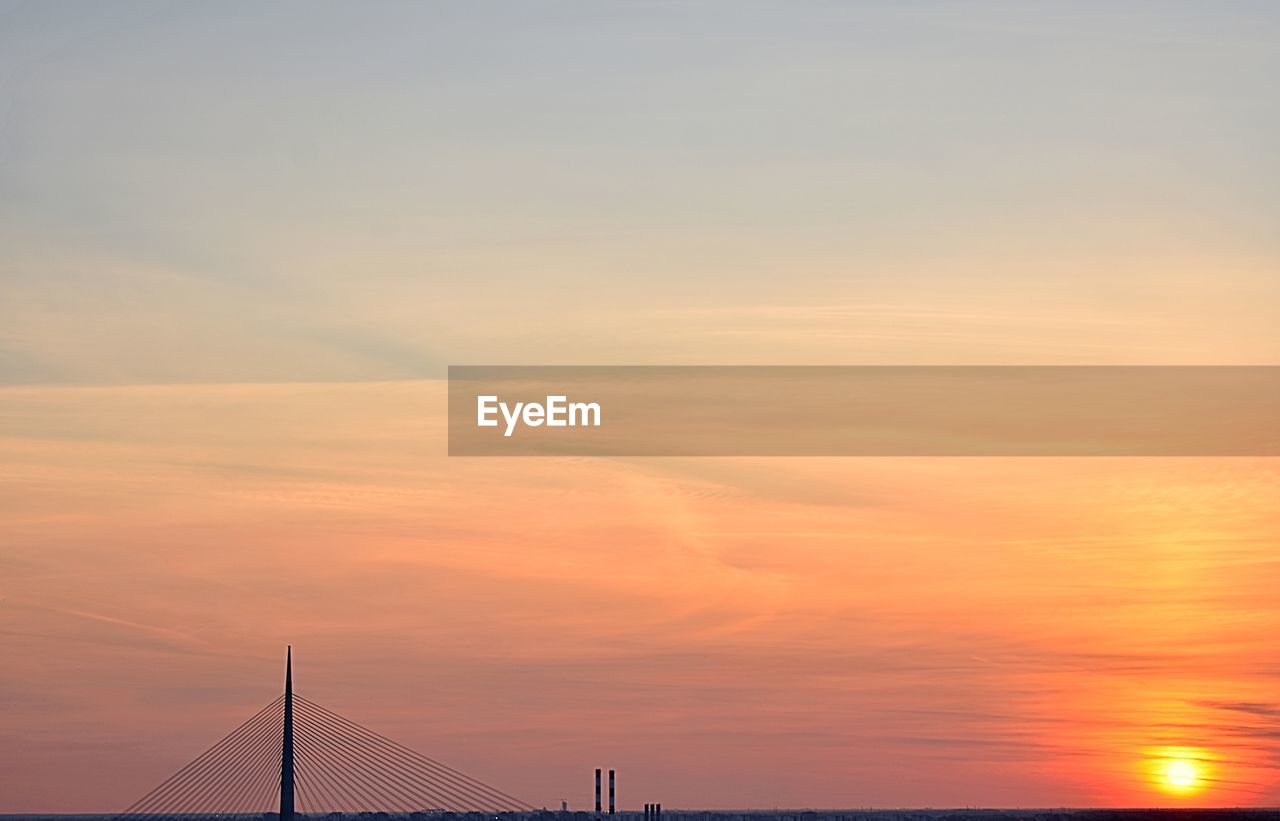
[611,792]
[597,790]
[657,812]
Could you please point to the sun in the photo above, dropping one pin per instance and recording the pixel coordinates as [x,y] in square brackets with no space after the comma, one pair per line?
[1181,774]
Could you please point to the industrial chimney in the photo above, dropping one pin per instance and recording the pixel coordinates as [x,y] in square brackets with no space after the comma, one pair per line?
[611,792]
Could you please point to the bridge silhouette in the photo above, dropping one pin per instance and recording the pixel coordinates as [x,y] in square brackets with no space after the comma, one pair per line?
[296,758]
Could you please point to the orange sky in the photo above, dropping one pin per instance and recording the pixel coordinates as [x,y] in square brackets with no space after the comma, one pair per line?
[722,631]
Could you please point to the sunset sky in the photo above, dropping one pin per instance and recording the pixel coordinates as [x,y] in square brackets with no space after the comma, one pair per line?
[240,243]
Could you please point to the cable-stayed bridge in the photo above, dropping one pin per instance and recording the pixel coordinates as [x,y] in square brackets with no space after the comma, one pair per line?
[294,757]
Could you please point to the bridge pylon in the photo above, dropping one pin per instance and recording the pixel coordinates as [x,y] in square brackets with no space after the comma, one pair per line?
[297,760]
[286,751]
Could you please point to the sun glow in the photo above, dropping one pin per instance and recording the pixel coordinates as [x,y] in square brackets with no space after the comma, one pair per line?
[1181,771]
[1181,774]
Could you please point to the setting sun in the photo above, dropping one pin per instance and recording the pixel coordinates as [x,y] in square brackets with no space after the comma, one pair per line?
[1184,772]
[1181,774]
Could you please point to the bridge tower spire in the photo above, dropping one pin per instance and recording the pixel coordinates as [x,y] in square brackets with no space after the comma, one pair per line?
[286,756]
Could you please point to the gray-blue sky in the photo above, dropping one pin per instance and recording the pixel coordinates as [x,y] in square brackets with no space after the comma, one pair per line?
[289,191]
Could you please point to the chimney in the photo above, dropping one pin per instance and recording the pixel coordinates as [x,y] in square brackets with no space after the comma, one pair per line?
[611,792]
[597,790]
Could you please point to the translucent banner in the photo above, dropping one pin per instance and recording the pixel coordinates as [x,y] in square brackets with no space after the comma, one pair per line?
[864,411]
